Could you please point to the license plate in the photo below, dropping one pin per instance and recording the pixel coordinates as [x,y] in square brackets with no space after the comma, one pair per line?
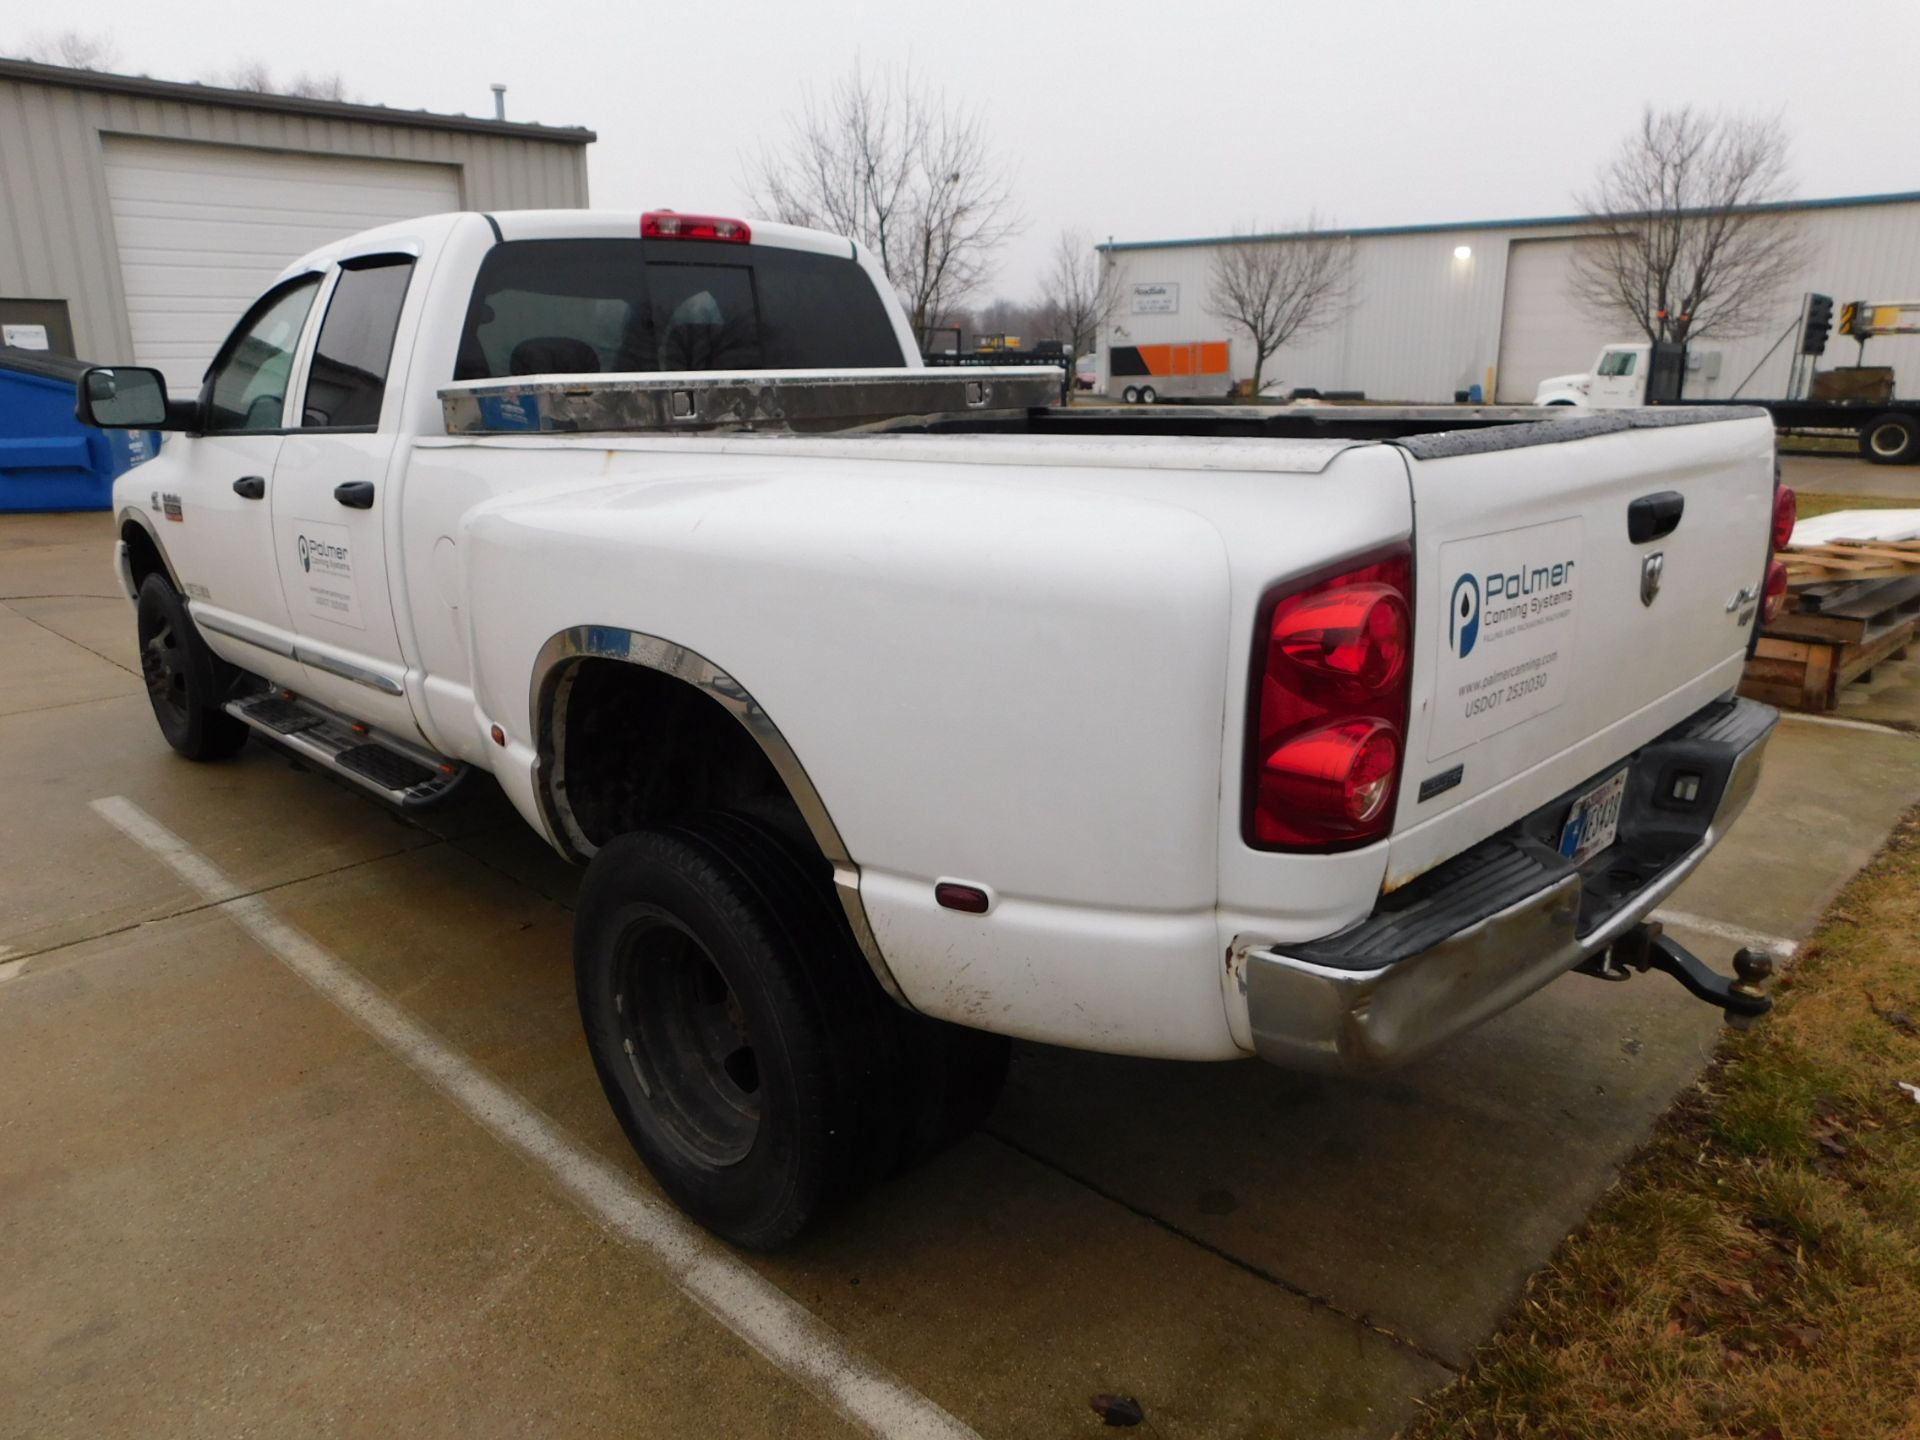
[1594,820]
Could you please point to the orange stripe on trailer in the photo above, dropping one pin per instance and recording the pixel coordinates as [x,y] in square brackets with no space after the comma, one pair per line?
[1157,358]
[1213,357]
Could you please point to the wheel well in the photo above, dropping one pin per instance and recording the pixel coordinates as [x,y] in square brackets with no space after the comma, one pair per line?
[631,746]
[143,553]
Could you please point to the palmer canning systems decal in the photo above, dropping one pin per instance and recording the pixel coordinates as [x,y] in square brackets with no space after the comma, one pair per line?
[324,554]
[1506,634]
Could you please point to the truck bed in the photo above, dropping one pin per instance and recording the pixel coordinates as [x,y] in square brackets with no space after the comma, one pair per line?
[992,400]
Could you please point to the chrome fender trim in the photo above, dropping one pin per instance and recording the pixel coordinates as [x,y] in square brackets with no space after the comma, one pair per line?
[245,631]
[553,671]
[347,670]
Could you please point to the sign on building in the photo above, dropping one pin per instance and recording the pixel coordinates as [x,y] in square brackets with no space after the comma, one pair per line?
[1156,299]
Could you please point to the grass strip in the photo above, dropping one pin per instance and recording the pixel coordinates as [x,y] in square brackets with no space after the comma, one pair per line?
[1755,1272]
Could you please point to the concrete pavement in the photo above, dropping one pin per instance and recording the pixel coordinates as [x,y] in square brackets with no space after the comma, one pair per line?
[226,1208]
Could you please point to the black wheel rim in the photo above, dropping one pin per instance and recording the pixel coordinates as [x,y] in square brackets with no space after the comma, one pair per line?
[1888,439]
[686,1041]
[163,664]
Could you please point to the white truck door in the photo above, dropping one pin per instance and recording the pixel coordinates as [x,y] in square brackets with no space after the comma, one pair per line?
[217,526]
[1619,378]
[331,502]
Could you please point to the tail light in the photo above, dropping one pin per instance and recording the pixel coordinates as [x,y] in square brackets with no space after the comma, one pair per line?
[1774,598]
[671,225]
[1773,594]
[1332,674]
[1786,511]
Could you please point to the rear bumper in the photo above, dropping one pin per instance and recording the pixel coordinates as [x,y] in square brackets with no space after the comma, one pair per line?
[1493,925]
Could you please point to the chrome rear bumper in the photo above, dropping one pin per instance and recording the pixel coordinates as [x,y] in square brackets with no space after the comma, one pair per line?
[1360,1002]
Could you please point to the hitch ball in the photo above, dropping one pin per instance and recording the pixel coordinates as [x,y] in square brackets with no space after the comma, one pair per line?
[1754,969]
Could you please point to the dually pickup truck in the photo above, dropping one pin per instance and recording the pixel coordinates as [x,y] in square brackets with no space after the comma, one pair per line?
[894,712]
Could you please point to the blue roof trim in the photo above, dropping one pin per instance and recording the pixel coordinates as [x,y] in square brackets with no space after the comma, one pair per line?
[1838,202]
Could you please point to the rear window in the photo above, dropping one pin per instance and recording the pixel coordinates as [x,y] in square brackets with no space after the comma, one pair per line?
[602,306]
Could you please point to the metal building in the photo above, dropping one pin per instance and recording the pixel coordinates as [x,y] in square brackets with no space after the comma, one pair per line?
[1442,308]
[139,217]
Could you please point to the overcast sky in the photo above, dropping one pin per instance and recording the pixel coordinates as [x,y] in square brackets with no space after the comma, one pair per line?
[1135,120]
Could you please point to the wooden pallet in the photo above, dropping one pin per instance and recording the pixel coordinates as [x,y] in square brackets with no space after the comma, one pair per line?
[1851,560]
[1834,635]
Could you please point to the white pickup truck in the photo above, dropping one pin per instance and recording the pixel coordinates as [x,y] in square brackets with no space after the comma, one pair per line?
[894,714]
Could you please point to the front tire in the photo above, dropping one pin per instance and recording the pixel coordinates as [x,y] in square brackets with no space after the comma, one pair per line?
[185,680]
[1131,395]
[1890,439]
[749,1054]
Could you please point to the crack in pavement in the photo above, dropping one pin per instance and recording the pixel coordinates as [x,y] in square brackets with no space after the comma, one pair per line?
[5,601]
[17,956]
[1174,1228]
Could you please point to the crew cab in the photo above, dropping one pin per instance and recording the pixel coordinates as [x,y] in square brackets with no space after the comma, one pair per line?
[894,712]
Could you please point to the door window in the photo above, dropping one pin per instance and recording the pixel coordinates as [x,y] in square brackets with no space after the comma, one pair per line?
[1619,362]
[348,376]
[246,387]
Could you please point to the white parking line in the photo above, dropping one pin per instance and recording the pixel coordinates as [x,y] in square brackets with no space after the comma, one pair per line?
[752,1308]
[1776,945]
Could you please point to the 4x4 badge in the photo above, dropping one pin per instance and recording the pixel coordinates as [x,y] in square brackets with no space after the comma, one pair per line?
[1650,569]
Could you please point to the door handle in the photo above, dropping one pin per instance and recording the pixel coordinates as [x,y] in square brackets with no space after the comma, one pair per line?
[1652,516]
[355,494]
[250,487]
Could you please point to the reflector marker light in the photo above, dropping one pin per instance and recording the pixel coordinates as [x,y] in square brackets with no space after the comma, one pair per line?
[968,898]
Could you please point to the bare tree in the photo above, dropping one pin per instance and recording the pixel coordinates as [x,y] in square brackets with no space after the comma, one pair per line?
[1678,247]
[74,49]
[1077,294]
[256,77]
[1278,288]
[896,167]
[319,87]
[1004,316]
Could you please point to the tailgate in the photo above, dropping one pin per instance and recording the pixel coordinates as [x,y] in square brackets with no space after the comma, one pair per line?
[1548,642]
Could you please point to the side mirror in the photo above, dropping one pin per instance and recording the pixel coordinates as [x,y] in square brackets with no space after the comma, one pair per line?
[129,397]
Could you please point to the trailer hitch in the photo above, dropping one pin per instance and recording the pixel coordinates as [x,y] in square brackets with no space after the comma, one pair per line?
[1648,947]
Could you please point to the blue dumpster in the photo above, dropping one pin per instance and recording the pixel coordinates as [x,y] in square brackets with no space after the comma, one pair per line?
[48,459]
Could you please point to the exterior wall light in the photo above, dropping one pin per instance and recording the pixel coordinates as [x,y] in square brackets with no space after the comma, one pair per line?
[1463,252]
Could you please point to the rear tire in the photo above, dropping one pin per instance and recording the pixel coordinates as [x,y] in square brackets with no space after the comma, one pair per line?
[186,682]
[750,1055]
[1148,395]
[1891,439]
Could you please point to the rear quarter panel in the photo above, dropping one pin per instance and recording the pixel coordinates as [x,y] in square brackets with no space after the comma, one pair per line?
[988,676]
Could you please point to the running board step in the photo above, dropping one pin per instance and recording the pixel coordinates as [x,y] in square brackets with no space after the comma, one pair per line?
[402,774]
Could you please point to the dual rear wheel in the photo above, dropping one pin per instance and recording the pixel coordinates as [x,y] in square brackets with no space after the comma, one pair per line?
[751,1057]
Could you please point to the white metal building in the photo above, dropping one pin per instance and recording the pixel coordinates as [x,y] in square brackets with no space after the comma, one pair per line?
[139,217]
[1442,308]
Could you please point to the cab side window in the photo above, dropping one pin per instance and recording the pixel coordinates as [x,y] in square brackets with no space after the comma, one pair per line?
[348,377]
[1618,362]
[246,388]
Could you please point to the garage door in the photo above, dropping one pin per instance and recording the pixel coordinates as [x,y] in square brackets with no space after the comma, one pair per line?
[203,229]
[1543,331]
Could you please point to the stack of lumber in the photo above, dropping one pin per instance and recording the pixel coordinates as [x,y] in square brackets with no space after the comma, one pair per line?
[1851,560]
[1851,603]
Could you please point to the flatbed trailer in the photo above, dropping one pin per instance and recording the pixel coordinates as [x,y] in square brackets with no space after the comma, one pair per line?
[1888,431]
